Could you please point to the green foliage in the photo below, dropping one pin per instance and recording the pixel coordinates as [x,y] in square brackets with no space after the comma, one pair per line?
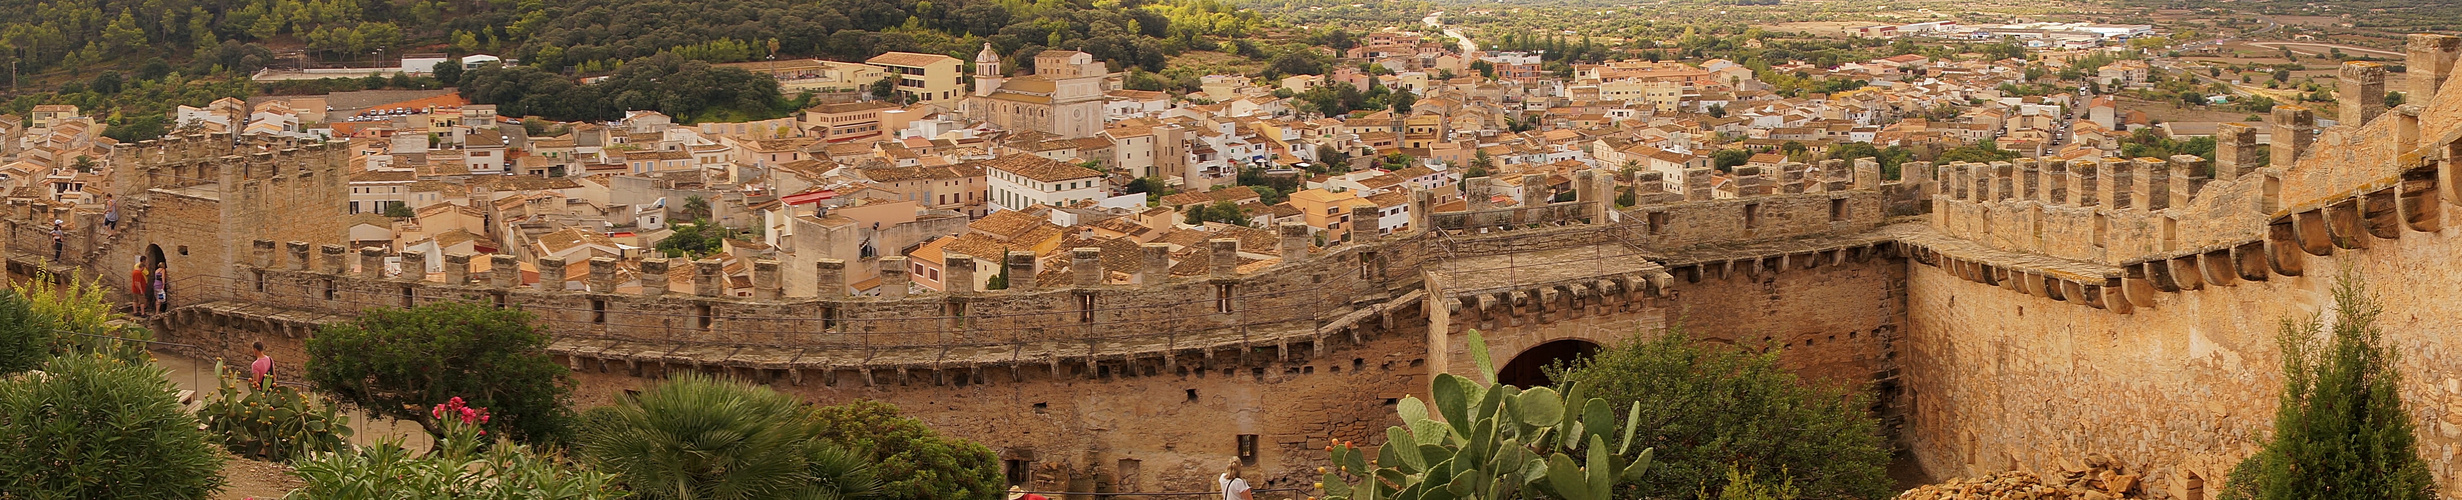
[1979,152]
[98,427]
[2145,143]
[451,471]
[2340,431]
[25,339]
[399,210]
[1728,159]
[695,240]
[449,72]
[919,463]
[273,424]
[1221,211]
[396,362]
[1710,408]
[686,89]
[80,317]
[1496,441]
[697,437]
[1741,485]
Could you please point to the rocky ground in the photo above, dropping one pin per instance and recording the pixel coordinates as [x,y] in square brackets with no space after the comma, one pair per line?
[245,479]
[2103,479]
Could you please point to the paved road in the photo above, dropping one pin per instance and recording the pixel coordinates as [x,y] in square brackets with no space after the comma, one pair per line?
[1433,21]
[2324,48]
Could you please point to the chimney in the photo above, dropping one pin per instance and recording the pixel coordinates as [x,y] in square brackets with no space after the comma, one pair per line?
[372,263]
[551,273]
[414,266]
[1154,263]
[457,269]
[830,275]
[504,271]
[957,273]
[2431,62]
[602,275]
[708,279]
[1294,241]
[1223,257]
[335,263]
[2294,128]
[1086,266]
[895,277]
[2361,92]
[765,283]
[2235,151]
[1021,270]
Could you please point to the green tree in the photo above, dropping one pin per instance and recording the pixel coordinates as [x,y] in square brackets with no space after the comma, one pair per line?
[1728,159]
[99,427]
[919,463]
[398,362]
[2340,430]
[1706,408]
[696,437]
[399,210]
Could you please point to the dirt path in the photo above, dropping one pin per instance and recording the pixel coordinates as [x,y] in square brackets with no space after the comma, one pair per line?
[253,480]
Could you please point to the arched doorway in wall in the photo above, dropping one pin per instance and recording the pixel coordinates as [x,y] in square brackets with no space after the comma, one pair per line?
[153,257]
[1529,369]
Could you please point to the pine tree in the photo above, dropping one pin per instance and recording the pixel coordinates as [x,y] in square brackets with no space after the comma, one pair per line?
[2341,431]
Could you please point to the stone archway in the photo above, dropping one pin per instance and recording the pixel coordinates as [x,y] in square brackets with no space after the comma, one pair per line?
[1528,369]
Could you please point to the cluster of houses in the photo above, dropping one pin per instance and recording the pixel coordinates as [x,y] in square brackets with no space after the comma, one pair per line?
[991,156]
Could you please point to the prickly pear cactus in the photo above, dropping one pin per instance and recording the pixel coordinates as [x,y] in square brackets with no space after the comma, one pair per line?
[1492,442]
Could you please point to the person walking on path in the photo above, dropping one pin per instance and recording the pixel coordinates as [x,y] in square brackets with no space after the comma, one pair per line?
[111,212]
[138,293]
[59,238]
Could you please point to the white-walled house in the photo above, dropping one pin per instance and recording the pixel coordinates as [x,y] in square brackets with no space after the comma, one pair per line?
[1020,181]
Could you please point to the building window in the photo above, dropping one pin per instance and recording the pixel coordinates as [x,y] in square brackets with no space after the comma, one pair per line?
[1248,449]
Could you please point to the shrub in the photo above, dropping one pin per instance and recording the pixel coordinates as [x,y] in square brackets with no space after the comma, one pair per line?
[1708,408]
[696,437]
[396,362]
[91,426]
[77,316]
[24,340]
[454,470]
[1496,441]
[918,462]
[2340,431]
[273,424]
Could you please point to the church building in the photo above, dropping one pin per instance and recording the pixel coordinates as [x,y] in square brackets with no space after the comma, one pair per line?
[1064,96]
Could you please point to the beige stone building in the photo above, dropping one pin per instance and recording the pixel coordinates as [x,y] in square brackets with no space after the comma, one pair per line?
[1063,97]
[923,78]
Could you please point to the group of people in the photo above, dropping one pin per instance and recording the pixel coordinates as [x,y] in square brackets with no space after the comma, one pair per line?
[1231,484]
[59,228]
[151,287]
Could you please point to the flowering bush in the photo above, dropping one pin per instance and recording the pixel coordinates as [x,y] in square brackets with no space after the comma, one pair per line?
[461,423]
[273,424]
[454,469]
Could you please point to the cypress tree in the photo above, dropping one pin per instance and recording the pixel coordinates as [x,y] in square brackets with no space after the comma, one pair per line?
[2341,431]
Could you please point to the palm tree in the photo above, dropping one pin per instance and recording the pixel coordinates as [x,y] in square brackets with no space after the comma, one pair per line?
[697,437]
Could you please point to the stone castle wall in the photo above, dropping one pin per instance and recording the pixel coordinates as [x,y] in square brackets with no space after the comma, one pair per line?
[2013,315]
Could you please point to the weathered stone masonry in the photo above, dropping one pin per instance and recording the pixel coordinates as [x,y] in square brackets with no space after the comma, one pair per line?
[2008,315]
